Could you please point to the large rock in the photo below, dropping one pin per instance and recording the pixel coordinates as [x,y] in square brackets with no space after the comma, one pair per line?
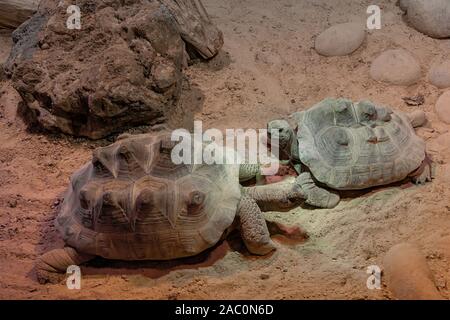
[14,12]
[439,75]
[397,67]
[408,275]
[443,107]
[341,39]
[431,17]
[122,69]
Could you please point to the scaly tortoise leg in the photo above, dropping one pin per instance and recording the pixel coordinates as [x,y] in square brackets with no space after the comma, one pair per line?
[425,173]
[316,196]
[249,171]
[253,227]
[51,265]
[303,188]
[424,177]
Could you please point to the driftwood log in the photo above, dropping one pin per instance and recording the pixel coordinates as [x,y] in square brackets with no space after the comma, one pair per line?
[195,26]
[14,12]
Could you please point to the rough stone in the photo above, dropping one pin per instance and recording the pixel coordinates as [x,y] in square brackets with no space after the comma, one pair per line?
[122,69]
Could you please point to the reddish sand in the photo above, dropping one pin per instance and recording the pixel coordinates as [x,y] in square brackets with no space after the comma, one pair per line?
[267,70]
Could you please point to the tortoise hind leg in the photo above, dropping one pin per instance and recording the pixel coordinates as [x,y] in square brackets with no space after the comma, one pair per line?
[425,173]
[253,227]
[51,265]
[424,176]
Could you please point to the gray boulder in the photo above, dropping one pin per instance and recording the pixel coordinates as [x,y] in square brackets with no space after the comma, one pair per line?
[431,17]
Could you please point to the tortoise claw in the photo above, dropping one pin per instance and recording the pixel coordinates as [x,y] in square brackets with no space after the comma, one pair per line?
[424,177]
[426,173]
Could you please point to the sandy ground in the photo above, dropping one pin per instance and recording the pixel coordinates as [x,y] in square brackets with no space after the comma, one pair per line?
[267,70]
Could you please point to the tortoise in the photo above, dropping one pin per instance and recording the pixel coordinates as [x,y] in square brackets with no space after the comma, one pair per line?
[354,146]
[132,202]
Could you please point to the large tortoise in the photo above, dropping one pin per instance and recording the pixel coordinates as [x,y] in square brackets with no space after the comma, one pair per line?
[352,146]
[131,202]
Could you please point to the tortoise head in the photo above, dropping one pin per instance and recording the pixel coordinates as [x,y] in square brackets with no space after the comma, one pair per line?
[280,135]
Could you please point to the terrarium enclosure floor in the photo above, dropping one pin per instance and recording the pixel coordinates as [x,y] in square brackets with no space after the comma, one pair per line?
[267,70]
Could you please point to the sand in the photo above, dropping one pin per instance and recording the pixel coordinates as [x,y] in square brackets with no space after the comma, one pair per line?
[267,70]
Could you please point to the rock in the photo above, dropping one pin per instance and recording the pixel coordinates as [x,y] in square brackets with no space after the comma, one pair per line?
[196,28]
[397,67]
[122,69]
[14,12]
[443,107]
[407,274]
[431,17]
[418,118]
[341,39]
[439,75]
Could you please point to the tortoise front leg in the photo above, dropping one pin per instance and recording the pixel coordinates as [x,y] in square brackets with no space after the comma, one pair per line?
[52,264]
[253,227]
[284,193]
[314,195]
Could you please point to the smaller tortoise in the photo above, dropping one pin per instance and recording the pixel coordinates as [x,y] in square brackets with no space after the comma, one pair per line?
[353,146]
[131,202]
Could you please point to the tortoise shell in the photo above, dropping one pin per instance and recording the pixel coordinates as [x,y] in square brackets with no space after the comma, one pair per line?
[351,146]
[131,202]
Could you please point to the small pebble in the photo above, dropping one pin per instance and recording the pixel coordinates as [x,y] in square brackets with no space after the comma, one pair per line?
[12,203]
[264,276]
[341,39]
